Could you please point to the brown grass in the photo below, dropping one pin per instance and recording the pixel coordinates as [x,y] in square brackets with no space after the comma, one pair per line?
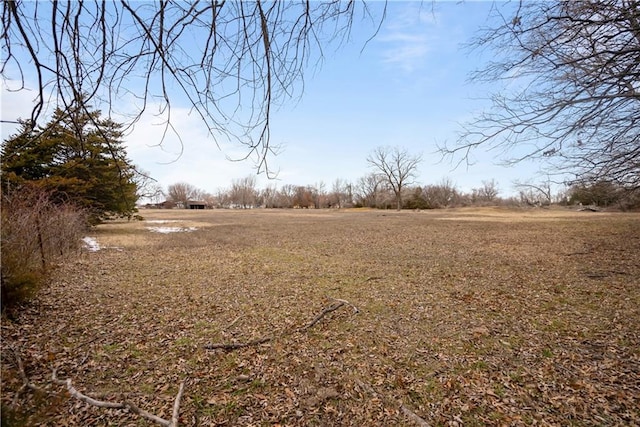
[474,317]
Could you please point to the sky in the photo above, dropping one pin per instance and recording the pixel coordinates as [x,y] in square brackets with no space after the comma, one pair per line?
[407,87]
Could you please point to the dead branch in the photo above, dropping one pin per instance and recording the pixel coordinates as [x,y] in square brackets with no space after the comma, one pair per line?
[406,411]
[237,345]
[232,324]
[176,405]
[147,415]
[234,346]
[413,417]
[173,422]
[25,380]
[333,307]
[83,397]
[355,309]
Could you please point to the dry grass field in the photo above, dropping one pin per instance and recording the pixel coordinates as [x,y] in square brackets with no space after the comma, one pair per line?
[340,318]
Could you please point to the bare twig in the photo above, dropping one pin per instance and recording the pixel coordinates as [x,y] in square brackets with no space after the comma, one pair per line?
[333,307]
[25,380]
[406,411]
[355,309]
[413,417]
[176,405]
[173,422]
[236,345]
[147,415]
[83,397]
[232,324]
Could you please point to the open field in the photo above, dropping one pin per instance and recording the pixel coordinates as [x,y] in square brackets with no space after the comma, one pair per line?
[464,317]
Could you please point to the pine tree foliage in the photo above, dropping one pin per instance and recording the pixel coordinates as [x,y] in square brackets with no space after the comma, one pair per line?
[77,157]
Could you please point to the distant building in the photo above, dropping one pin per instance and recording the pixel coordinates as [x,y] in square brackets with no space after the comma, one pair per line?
[196,204]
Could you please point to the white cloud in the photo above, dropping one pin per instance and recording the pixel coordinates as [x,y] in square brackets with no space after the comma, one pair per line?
[408,36]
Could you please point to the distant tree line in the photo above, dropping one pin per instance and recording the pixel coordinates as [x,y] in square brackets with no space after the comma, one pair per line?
[391,185]
[371,191]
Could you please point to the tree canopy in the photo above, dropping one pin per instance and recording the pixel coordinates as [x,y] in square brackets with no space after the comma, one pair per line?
[78,157]
[571,74]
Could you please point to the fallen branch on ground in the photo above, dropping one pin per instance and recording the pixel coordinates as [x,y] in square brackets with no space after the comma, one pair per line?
[355,309]
[232,324]
[333,307]
[25,380]
[173,422]
[234,346]
[406,411]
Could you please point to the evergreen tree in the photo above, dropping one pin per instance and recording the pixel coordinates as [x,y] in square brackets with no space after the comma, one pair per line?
[79,157]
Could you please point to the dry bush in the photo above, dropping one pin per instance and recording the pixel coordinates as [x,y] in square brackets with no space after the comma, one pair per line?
[36,232]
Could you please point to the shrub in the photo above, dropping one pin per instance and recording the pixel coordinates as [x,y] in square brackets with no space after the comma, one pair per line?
[36,233]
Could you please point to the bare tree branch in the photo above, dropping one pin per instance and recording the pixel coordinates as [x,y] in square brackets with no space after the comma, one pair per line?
[83,397]
[570,73]
[229,63]
[333,307]
[417,420]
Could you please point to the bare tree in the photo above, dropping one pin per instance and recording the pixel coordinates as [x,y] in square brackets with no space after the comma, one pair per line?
[269,196]
[155,193]
[571,74]
[181,192]
[304,197]
[487,193]
[341,194]
[368,190]
[397,166]
[441,195]
[243,192]
[147,187]
[222,198]
[209,199]
[287,195]
[534,194]
[231,60]
[319,192]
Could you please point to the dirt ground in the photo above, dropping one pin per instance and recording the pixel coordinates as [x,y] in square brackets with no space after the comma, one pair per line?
[336,318]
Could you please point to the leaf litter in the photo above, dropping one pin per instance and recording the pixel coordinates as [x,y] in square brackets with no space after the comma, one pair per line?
[511,319]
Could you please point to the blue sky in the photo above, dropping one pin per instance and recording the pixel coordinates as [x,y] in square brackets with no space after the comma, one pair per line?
[408,87]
